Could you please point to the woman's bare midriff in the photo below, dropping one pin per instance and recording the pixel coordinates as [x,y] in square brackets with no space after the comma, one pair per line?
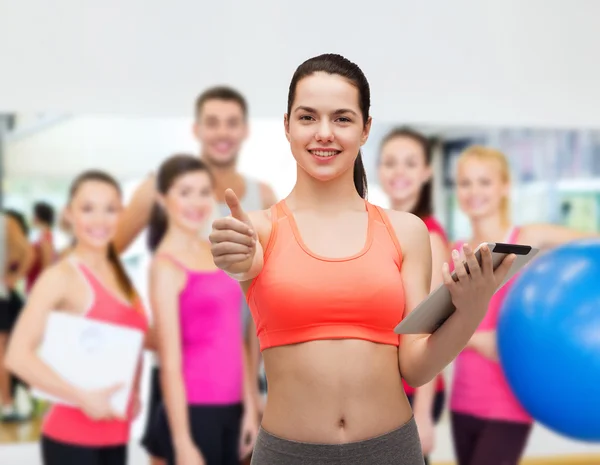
[334,391]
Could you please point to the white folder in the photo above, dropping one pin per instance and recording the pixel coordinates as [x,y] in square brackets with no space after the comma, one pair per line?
[91,355]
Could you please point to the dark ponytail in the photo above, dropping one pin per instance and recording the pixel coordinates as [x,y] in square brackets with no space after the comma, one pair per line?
[122,277]
[168,172]
[157,227]
[360,176]
[331,63]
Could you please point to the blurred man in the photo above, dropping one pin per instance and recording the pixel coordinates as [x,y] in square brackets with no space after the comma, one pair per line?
[220,126]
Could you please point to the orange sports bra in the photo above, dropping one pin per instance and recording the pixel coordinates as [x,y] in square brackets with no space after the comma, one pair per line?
[300,296]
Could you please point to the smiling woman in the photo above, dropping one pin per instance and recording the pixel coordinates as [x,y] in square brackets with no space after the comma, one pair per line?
[89,282]
[325,125]
[207,412]
[327,276]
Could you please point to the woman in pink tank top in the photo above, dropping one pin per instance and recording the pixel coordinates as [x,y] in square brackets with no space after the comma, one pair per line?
[208,416]
[405,176]
[490,427]
[89,282]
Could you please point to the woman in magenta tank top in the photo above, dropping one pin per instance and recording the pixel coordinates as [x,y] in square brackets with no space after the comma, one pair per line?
[91,282]
[490,427]
[404,167]
[208,416]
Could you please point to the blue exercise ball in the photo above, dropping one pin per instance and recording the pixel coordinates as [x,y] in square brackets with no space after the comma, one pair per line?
[549,339]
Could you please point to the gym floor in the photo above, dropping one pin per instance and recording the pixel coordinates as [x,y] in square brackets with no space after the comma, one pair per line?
[18,446]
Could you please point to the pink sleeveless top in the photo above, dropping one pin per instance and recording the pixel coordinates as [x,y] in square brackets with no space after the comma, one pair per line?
[211,337]
[69,424]
[479,386]
[434,227]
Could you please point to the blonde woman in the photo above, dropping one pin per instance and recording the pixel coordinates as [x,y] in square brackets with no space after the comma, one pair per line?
[490,427]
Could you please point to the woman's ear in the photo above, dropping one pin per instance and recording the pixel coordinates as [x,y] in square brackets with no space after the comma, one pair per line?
[427,174]
[366,131]
[161,201]
[286,126]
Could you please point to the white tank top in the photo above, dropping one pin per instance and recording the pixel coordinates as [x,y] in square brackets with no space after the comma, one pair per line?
[251,201]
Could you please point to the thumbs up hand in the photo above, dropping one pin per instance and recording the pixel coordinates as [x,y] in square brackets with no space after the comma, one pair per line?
[233,238]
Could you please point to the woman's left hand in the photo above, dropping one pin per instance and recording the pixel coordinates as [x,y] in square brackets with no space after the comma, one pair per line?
[249,432]
[473,290]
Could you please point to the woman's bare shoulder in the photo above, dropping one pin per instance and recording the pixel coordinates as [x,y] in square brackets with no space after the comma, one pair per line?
[410,230]
[63,268]
[406,223]
[165,260]
[53,280]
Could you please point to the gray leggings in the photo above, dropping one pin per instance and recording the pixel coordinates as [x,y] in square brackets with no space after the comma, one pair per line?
[398,447]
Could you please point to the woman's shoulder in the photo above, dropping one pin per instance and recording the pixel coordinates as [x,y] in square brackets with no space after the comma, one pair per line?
[170,256]
[411,233]
[165,260]
[166,269]
[63,267]
[54,277]
[407,226]
[404,220]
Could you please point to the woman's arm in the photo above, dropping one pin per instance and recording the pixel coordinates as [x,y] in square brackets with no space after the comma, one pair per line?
[151,339]
[22,358]
[136,404]
[136,215]
[253,347]
[422,357]
[486,343]
[416,274]
[425,395]
[19,250]
[544,236]
[249,426]
[547,236]
[249,381]
[166,283]
[46,253]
